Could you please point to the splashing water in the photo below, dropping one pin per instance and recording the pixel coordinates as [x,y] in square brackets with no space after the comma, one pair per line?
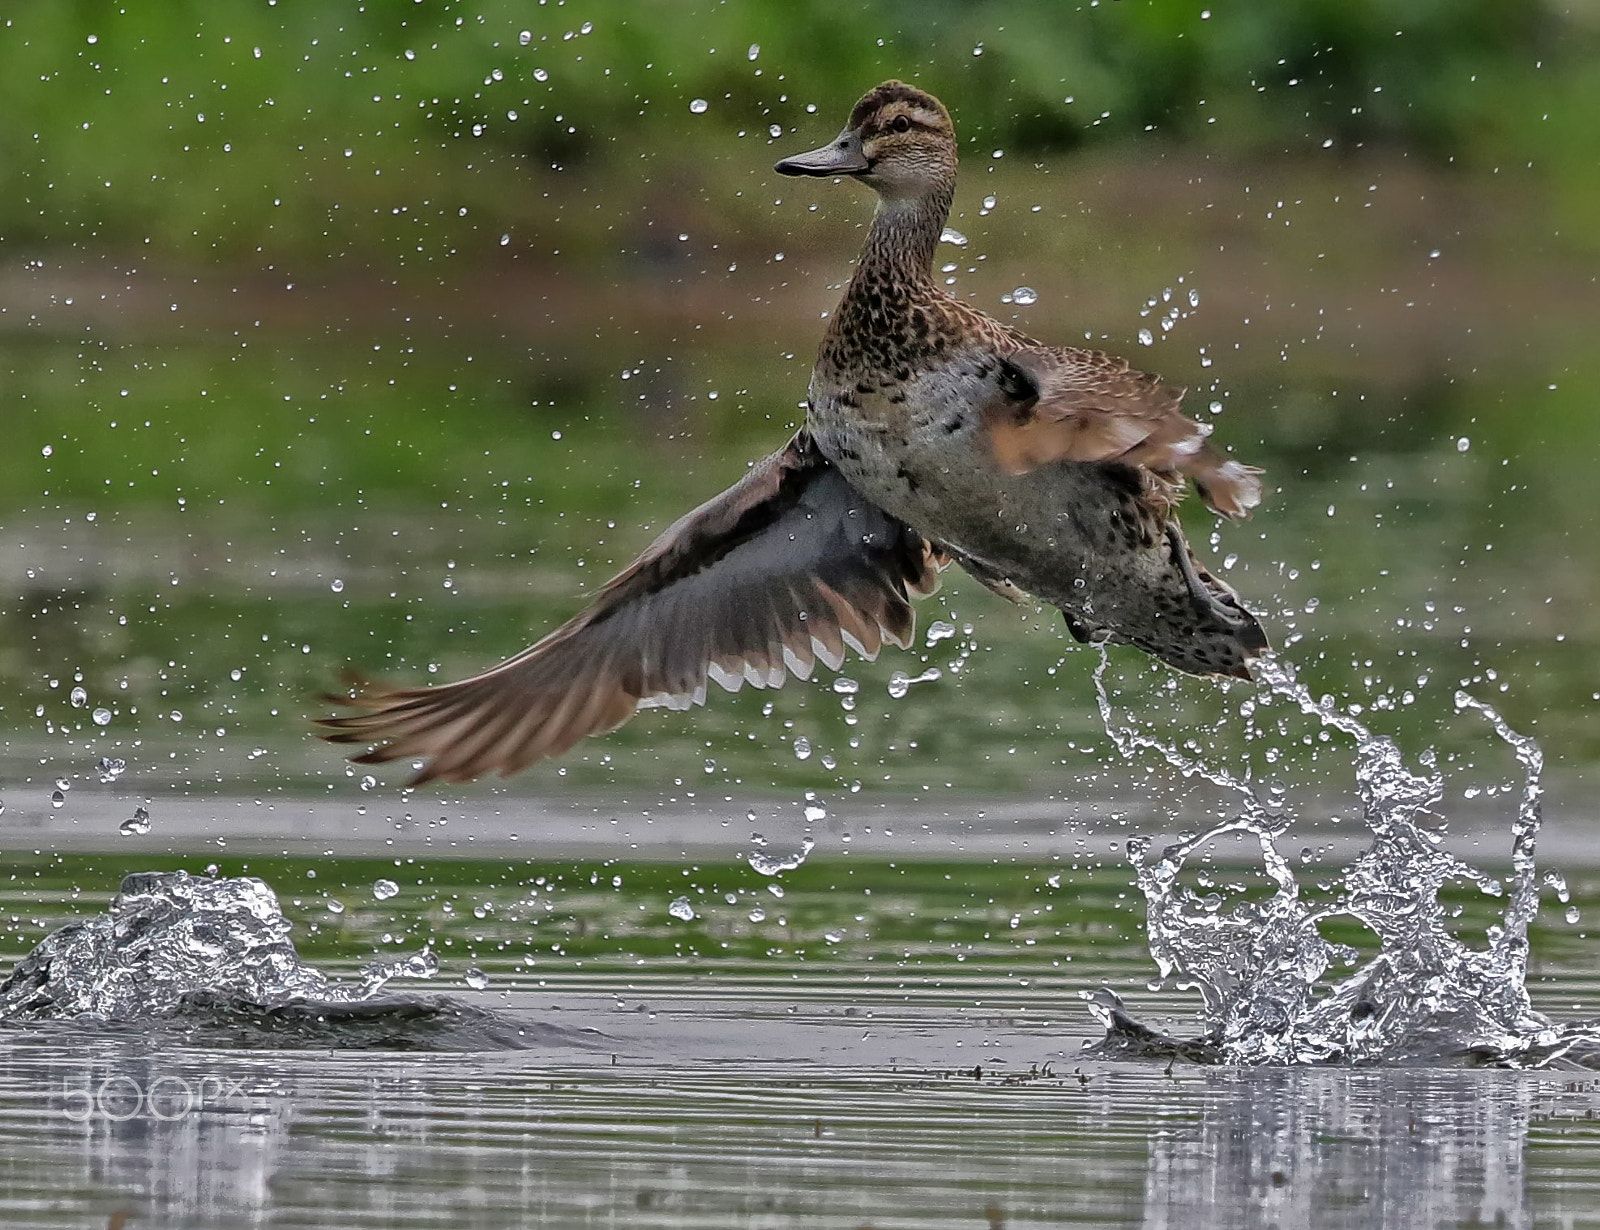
[170,938]
[1263,967]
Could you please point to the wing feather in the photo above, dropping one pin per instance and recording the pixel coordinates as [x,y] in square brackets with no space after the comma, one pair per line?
[1060,403]
[786,568]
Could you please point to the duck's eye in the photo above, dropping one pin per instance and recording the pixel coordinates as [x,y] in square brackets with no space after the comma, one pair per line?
[901,123]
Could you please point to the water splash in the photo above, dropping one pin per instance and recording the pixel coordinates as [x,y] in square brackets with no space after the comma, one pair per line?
[169,938]
[1266,974]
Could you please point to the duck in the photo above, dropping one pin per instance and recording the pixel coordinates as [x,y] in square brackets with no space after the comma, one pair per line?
[934,435]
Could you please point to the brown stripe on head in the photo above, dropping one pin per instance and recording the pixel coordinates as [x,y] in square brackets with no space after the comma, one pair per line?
[880,102]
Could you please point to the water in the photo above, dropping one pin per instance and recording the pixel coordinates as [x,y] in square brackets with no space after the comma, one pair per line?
[622,1066]
[657,1137]
[166,938]
[773,864]
[1265,969]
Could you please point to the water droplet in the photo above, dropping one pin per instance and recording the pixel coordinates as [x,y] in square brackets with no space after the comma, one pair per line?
[802,748]
[101,717]
[773,864]
[1146,338]
[382,890]
[900,683]
[57,799]
[758,915]
[525,37]
[79,698]
[754,53]
[833,937]
[948,235]
[681,909]
[1463,444]
[816,813]
[1573,914]
[845,686]
[775,130]
[1025,295]
[110,768]
[699,106]
[540,74]
[136,825]
[337,586]
[475,978]
[335,906]
[940,630]
[1194,298]
[989,202]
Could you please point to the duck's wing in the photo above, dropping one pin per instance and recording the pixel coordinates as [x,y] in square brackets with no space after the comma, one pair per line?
[1064,404]
[788,566]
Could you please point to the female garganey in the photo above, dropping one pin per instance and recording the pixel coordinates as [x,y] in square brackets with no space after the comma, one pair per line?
[934,433]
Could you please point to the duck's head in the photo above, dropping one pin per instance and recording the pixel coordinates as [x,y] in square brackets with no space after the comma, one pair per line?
[899,142]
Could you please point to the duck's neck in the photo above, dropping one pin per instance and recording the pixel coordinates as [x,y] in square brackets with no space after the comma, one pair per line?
[905,233]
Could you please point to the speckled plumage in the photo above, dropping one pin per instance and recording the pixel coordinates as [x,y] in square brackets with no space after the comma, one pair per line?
[1054,469]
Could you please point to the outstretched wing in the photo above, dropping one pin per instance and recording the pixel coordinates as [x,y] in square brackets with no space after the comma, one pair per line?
[787,566]
[1065,404]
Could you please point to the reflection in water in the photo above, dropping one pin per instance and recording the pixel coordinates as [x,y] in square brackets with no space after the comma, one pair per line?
[1294,1147]
[467,1141]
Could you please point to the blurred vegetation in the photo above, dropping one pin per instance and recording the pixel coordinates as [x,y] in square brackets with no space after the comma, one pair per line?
[225,127]
[519,439]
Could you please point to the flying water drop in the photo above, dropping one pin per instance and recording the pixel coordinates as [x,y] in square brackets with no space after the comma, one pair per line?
[773,864]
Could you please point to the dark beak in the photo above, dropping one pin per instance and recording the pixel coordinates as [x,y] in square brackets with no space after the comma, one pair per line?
[841,156]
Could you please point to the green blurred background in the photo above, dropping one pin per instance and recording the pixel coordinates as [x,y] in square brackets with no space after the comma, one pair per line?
[372,334]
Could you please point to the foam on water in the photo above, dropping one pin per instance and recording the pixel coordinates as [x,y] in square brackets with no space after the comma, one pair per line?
[1275,990]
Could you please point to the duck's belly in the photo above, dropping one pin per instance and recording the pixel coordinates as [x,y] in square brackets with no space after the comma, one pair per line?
[1059,531]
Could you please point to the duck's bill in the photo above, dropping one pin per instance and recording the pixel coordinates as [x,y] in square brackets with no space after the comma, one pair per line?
[841,156]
